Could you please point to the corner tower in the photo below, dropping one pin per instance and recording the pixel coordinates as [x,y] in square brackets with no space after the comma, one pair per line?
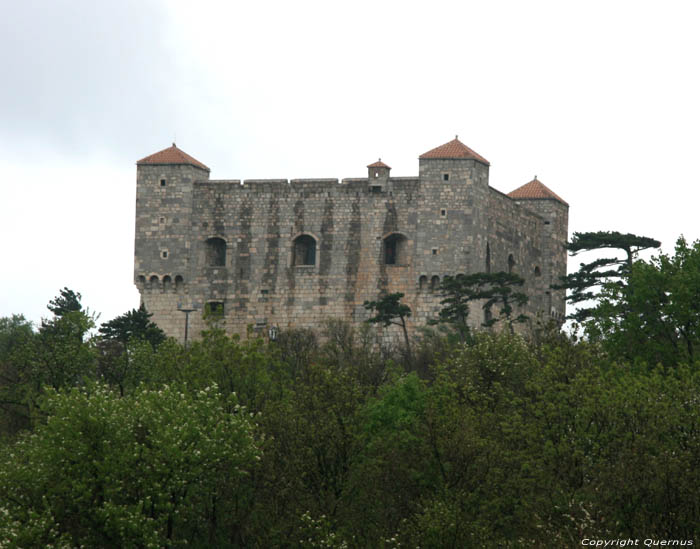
[455,181]
[554,211]
[162,269]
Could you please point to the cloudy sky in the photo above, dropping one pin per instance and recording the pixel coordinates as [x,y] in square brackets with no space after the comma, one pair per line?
[600,99]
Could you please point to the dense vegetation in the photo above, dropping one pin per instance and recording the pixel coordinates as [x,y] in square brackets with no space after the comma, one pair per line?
[122,438]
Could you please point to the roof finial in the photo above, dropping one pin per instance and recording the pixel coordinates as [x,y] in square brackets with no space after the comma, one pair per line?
[456,136]
[535,177]
[380,159]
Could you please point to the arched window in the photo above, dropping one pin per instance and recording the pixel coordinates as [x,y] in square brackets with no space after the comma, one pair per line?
[434,283]
[511,263]
[304,250]
[423,283]
[167,283]
[179,283]
[488,258]
[216,252]
[153,282]
[142,281]
[395,252]
[537,271]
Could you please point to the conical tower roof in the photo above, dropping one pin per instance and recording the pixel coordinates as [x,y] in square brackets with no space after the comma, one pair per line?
[535,190]
[172,155]
[378,164]
[454,149]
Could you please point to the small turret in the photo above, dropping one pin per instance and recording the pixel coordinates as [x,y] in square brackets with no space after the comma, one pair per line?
[378,174]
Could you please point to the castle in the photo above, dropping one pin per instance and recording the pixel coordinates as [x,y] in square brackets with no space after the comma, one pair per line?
[277,254]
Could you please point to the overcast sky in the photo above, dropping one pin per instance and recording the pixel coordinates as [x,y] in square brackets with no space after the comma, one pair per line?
[600,99]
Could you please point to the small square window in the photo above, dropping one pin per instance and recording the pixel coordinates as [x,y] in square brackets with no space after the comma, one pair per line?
[164,254]
[162,220]
[214,309]
[443,212]
[162,182]
[435,251]
[445,176]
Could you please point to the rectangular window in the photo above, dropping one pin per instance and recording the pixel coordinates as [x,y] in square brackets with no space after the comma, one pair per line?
[443,213]
[162,182]
[445,176]
[214,309]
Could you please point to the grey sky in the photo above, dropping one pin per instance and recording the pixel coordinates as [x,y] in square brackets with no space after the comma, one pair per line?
[598,99]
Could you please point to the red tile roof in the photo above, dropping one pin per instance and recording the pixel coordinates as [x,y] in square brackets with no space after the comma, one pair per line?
[535,190]
[378,164]
[454,149]
[172,155]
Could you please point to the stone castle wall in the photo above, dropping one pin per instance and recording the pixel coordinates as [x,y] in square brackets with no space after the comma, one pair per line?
[445,222]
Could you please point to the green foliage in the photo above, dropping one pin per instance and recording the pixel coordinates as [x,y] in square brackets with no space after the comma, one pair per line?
[389,310]
[67,301]
[134,324]
[656,317]
[488,289]
[602,272]
[158,468]
[486,440]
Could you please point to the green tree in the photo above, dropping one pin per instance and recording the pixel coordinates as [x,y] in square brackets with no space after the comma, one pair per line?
[116,365]
[584,284]
[389,310]
[134,324]
[659,321]
[154,469]
[65,302]
[16,334]
[459,292]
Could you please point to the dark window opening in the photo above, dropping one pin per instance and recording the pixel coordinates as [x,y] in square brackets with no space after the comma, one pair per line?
[445,176]
[304,251]
[538,272]
[434,251]
[179,283]
[443,213]
[216,252]
[546,222]
[434,283]
[153,281]
[395,250]
[142,281]
[162,182]
[214,309]
[167,283]
[488,258]
[164,254]
[511,263]
[375,189]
